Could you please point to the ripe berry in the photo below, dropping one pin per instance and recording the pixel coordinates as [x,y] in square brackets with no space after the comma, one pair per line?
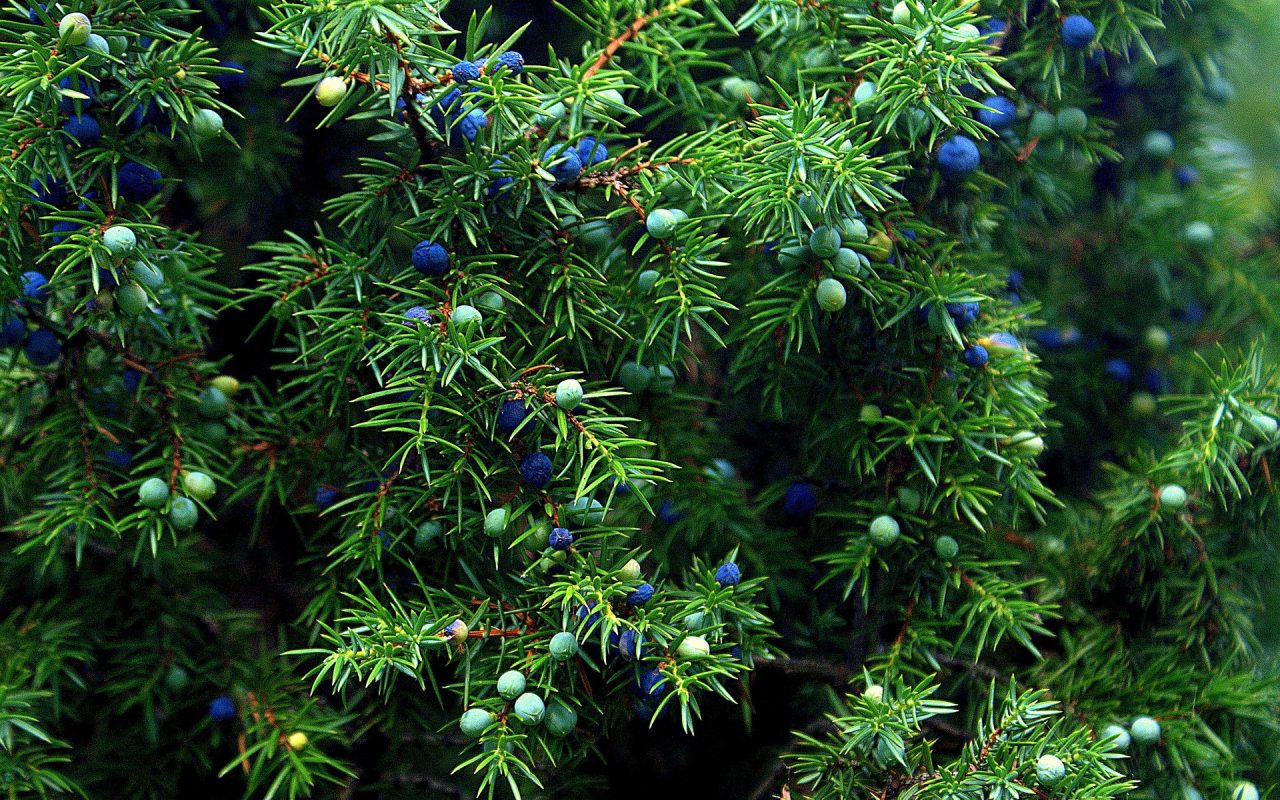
[510,415]
[206,123]
[728,574]
[592,152]
[297,740]
[464,316]
[465,72]
[536,470]
[120,240]
[825,242]
[999,114]
[42,347]
[84,129]
[958,157]
[330,91]
[511,684]
[884,530]
[35,286]
[1077,31]
[183,513]
[222,709]
[475,721]
[568,394]
[1173,497]
[563,646]
[1145,730]
[560,539]
[49,190]
[495,522]
[1072,121]
[651,684]
[199,485]
[661,223]
[75,28]
[137,182]
[1244,790]
[1050,769]
[693,647]
[12,332]
[1001,344]
[325,495]
[430,259]
[975,355]
[629,644]
[1117,735]
[946,547]
[1186,176]
[563,163]
[560,719]
[800,499]
[416,317]
[642,595]
[511,60]
[153,493]
[529,708]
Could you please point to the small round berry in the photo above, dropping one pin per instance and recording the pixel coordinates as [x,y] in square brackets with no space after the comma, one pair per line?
[831,295]
[511,684]
[153,493]
[529,708]
[495,522]
[825,242]
[1173,497]
[298,741]
[865,91]
[120,240]
[693,647]
[728,574]
[84,129]
[901,14]
[35,286]
[416,317]
[12,332]
[568,394]
[909,499]
[664,380]
[1198,234]
[592,151]
[176,678]
[999,113]
[1118,370]
[75,28]
[213,403]
[42,347]
[1186,176]
[585,511]
[536,470]
[491,301]
[661,223]
[206,123]
[510,415]
[1117,736]
[869,413]
[330,91]
[884,530]
[560,539]
[1042,124]
[1026,443]
[457,631]
[1157,144]
[430,259]
[695,621]
[629,644]
[465,72]
[475,721]
[137,182]
[325,495]
[131,299]
[511,60]
[464,316]
[222,709]
[1156,339]
[427,532]
[635,378]
[1050,769]
[642,594]
[1145,730]
[98,45]
[146,274]
[1264,423]
[800,499]
[630,571]
[1072,121]
[199,485]
[183,513]
[563,646]
[1077,31]
[1244,790]
[563,163]
[946,547]
[874,692]
[958,157]
[975,356]
[560,719]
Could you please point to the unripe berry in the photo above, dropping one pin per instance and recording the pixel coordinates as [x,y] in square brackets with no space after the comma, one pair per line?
[635,378]
[1072,121]
[330,91]
[831,295]
[120,240]
[457,631]
[297,740]
[901,13]
[1198,234]
[865,91]
[199,485]
[560,719]
[1244,790]
[98,45]
[630,571]
[1050,769]
[1173,497]
[693,647]
[1117,735]
[1142,404]
[177,678]
[1043,123]
[213,403]
[511,684]
[663,381]
[464,316]
[563,646]
[1145,730]
[75,28]
[206,123]
[1025,442]
[874,692]
[568,394]
[1264,423]
[647,279]
[529,708]
[661,223]
[1156,339]
[146,274]
[131,299]
[426,533]
[226,384]
[870,413]
[475,721]
[153,493]
[884,530]
[825,242]
[495,522]
[183,513]
[1157,144]
[585,511]
[946,547]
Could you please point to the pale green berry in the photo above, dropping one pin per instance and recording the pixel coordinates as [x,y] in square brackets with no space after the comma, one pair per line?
[585,511]
[1043,123]
[330,91]
[568,394]
[853,230]
[664,380]
[901,13]
[693,647]
[647,279]
[1072,121]
[630,571]
[967,31]
[946,547]
[511,684]
[146,274]
[131,298]
[1025,442]
[426,533]
[120,240]
[529,708]
[199,485]
[475,721]
[661,223]
[1118,736]
[1198,234]
[1142,404]
[226,384]
[153,493]
[212,403]
[1156,338]
[825,242]
[495,522]
[1244,790]
[491,301]
[909,499]
[831,295]
[635,378]
[1173,497]
[1263,423]
[464,316]
[75,28]
[870,413]
[98,45]
[884,530]
[206,123]
[695,621]
[183,513]
[874,692]
[1145,730]
[865,91]
[1157,144]
[563,646]
[560,719]
[1050,769]
[117,45]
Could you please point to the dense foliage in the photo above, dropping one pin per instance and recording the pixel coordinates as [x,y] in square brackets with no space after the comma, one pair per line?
[810,399]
